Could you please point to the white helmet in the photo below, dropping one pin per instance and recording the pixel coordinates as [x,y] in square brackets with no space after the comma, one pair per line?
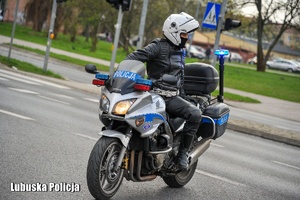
[179,23]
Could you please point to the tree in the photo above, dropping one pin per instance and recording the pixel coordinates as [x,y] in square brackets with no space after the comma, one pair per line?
[90,15]
[282,14]
[36,12]
[98,16]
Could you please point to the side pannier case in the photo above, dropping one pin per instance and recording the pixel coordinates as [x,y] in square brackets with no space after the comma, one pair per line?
[200,79]
[218,114]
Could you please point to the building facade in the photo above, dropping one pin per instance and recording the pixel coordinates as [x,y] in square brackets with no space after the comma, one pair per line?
[8,7]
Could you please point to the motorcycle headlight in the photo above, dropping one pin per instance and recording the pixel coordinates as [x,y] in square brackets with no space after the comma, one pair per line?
[122,107]
[104,103]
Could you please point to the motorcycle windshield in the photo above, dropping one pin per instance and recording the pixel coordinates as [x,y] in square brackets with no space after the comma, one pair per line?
[124,78]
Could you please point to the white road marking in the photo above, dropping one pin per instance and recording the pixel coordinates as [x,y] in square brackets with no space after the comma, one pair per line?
[24,91]
[287,165]
[63,96]
[86,136]
[29,79]
[55,100]
[220,178]
[93,100]
[48,83]
[19,79]
[3,79]
[15,115]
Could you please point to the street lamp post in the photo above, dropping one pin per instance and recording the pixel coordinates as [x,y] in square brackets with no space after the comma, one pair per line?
[14,28]
[116,40]
[142,24]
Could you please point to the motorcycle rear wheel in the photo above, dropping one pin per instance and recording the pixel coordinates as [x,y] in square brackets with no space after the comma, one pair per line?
[182,178]
[102,182]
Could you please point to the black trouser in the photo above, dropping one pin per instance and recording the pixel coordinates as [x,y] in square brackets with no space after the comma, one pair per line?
[179,107]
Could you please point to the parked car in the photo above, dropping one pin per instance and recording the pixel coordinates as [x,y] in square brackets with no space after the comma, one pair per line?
[296,61]
[283,64]
[199,48]
[234,57]
[105,36]
[252,61]
[194,52]
[1,16]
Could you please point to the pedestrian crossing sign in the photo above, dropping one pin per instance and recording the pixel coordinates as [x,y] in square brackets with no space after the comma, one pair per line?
[211,15]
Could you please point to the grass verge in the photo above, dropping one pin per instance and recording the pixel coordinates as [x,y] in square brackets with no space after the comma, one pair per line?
[24,66]
[236,97]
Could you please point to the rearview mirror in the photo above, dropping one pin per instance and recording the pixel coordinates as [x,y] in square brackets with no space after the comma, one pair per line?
[91,68]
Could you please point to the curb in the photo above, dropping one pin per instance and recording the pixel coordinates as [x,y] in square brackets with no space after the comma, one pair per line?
[265,131]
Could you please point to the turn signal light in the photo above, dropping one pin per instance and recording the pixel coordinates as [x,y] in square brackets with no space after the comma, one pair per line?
[139,121]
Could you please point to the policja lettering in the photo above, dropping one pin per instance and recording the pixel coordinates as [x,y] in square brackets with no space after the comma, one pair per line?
[64,187]
[125,74]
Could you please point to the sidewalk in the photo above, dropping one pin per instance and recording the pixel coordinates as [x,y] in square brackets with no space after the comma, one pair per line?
[269,106]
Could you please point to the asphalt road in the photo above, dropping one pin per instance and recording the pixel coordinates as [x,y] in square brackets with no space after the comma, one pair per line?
[48,130]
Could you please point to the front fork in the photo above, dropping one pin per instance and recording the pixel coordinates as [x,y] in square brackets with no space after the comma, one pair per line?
[123,151]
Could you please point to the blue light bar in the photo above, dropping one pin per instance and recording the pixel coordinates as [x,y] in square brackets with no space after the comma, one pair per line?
[143,81]
[221,52]
[102,76]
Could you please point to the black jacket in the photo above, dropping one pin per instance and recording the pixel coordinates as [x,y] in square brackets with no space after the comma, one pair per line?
[161,57]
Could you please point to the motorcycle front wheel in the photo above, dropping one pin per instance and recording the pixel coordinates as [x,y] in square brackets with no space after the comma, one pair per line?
[181,178]
[103,182]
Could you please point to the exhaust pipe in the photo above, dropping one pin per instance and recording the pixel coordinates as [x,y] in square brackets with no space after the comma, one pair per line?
[138,177]
[138,173]
[198,150]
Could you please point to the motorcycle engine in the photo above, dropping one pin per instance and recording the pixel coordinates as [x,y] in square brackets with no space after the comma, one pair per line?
[160,158]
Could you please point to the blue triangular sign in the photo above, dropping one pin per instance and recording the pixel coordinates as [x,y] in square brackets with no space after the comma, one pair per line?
[211,15]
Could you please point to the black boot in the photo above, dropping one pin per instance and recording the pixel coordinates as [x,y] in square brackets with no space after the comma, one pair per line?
[182,156]
[182,159]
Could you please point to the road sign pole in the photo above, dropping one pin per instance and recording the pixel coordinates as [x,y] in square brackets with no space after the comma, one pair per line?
[116,40]
[51,28]
[220,24]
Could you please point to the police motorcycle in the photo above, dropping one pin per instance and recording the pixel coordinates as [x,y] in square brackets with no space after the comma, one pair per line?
[139,140]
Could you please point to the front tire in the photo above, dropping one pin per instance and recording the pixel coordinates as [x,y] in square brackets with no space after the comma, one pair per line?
[102,181]
[182,178]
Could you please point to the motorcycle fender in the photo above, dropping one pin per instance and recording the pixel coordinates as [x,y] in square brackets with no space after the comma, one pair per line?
[115,134]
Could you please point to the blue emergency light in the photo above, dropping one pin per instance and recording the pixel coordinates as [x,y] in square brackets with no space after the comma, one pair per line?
[102,76]
[143,81]
[221,52]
